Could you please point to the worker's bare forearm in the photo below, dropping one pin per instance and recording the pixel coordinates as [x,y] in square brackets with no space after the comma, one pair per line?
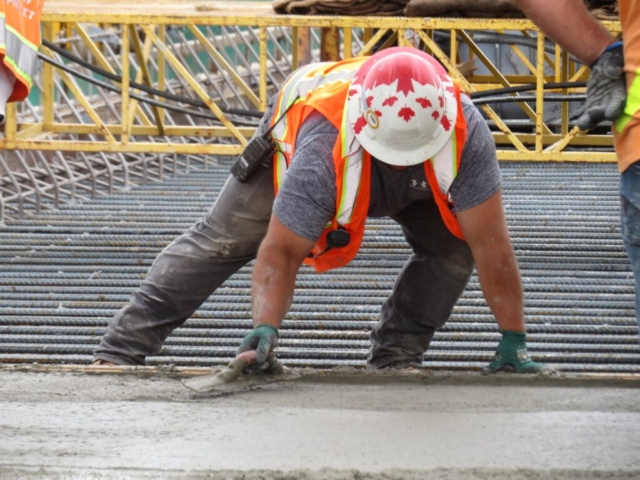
[273,284]
[274,276]
[568,23]
[501,284]
[485,228]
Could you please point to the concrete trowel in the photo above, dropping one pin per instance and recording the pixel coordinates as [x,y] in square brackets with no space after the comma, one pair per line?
[235,377]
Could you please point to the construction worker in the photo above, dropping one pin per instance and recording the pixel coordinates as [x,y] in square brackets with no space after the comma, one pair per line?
[388,136]
[613,93]
[19,43]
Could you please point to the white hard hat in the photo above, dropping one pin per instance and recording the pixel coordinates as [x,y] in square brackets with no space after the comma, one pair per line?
[402,106]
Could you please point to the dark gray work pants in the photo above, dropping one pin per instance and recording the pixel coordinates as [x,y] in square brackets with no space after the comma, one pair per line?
[426,290]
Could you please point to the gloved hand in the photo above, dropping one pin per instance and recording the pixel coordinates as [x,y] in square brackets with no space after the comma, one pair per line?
[512,356]
[263,339]
[606,88]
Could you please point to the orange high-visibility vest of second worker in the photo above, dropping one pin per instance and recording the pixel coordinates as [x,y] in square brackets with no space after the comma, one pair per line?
[19,42]
[324,88]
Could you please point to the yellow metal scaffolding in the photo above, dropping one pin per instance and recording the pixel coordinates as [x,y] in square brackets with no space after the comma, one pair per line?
[143,29]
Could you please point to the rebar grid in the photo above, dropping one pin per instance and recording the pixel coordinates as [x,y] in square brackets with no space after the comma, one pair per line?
[65,273]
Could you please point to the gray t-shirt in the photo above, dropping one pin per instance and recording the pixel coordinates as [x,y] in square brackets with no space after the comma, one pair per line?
[306,201]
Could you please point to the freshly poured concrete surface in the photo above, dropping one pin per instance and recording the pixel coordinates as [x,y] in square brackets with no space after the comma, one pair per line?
[56,425]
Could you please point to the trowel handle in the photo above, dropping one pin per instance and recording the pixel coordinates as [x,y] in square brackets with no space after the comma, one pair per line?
[242,361]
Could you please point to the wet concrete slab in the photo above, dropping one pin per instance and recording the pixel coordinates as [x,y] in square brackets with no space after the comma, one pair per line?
[56,425]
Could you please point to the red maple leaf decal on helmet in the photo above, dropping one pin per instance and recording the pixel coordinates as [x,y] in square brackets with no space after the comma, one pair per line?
[446,124]
[378,113]
[423,102]
[360,124]
[369,100]
[402,71]
[405,85]
[406,113]
[435,115]
[353,91]
[389,102]
[441,100]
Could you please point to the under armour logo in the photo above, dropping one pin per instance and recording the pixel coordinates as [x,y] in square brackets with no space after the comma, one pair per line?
[422,185]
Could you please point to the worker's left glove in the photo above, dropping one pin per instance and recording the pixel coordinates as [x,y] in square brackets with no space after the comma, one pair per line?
[606,88]
[263,339]
[512,356]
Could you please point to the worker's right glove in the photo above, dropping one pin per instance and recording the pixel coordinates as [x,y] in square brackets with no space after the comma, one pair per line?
[263,339]
[606,88]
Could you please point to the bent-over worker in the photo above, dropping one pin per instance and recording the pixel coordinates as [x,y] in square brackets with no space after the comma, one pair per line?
[386,136]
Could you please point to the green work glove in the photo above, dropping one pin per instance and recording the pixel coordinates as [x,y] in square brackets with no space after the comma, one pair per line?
[606,88]
[263,339]
[512,356]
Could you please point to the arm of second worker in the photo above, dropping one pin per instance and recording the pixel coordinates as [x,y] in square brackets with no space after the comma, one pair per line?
[569,24]
[485,229]
[279,258]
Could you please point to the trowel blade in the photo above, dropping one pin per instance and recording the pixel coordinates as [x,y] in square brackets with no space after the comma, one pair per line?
[229,374]
[244,384]
[231,379]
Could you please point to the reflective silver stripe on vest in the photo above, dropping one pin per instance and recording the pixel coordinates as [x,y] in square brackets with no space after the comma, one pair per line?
[353,154]
[445,162]
[22,56]
[280,165]
[444,165]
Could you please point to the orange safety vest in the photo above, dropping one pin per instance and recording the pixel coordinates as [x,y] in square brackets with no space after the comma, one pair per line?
[19,42]
[324,88]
